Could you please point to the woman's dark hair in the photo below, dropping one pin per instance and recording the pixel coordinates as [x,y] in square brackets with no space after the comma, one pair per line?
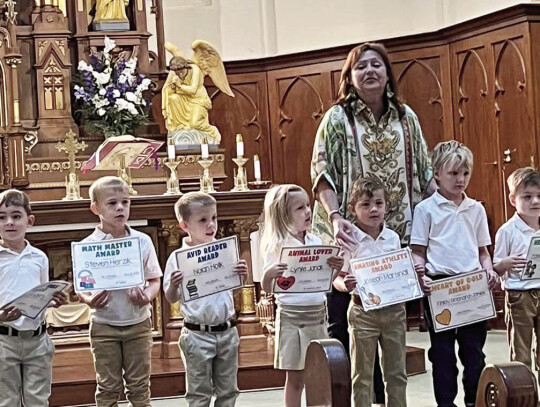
[345,81]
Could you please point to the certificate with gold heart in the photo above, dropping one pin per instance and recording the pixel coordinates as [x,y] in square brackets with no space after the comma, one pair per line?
[386,279]
[460,300]
[307,270]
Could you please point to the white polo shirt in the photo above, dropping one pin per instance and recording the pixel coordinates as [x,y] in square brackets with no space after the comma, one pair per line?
[366,246]
[121,311]
[214,309]
[451,233]
[513,238]
[295,299]
[20,272]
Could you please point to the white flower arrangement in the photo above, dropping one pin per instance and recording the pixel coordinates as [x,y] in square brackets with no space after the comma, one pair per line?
[110,93]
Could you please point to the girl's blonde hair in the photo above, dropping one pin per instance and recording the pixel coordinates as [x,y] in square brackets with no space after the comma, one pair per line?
[277,220]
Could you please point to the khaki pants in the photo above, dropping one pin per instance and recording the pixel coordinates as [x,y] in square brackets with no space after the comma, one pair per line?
[367,330]
[25,370]
[211,361]
[118,349]
[522,320]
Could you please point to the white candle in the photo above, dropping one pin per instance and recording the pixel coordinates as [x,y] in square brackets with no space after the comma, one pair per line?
[257,167]
[171,151]
[204,150]
[239,146]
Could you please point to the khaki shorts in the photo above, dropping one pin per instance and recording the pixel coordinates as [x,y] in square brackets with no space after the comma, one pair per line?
[296,327]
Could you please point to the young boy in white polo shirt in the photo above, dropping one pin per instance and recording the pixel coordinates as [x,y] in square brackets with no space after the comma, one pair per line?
[120,323]
[26,351]
[511,244]
[386,326]
[450,236]
[209,339]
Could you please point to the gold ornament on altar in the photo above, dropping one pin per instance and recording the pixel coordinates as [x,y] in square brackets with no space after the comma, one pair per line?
[185,102]
[71,146]
[240,176]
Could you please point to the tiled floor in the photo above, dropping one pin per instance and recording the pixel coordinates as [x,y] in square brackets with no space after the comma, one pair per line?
[419,390]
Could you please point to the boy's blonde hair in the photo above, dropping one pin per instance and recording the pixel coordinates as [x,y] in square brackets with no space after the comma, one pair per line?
[451,152]
[277,220]
[190,202]
[14,197]
[99,185]
[522,178]
[365,186]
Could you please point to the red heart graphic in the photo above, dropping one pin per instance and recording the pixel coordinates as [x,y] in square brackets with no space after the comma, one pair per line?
[285,282]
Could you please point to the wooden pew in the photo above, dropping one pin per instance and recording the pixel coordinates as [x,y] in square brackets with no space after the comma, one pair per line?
[328,382]
[507,385]
[327,374]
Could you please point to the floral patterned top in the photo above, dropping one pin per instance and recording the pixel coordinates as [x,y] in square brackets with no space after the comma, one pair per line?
[392,151]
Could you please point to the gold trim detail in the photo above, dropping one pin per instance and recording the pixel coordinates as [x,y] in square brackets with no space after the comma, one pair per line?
[247,299]
[175,312]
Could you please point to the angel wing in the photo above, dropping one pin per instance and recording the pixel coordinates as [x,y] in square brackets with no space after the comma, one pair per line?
[208,59]
[173,49]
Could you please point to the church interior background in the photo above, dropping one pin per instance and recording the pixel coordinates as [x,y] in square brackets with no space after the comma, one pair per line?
[470,77]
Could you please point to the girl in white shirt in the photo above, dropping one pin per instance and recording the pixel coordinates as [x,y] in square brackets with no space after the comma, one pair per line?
[300,318]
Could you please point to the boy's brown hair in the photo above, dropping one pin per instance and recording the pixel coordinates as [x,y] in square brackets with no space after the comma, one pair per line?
[365,186]
[190,202]
[14,197]
[522,178]
[451,152]
[97,187]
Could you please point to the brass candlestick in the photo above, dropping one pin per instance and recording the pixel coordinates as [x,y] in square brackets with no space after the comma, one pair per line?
[173,184]
[71,146]
[207,183]
[125,174]
[240,177]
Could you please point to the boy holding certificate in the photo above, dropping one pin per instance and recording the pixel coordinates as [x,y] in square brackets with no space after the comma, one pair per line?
[25,347]
[386,326]
[450,236]
[120,323]
[209,339]
[511,245]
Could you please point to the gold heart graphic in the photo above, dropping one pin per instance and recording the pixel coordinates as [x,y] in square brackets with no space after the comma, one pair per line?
[444,317]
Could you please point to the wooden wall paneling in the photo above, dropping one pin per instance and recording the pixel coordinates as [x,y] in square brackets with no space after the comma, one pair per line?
[246,113]
[424,84]
[534,93]
[298,99]
[473,120]
[513,110]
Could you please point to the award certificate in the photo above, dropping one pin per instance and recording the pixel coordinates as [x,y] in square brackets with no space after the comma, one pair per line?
[531,271]
[209,268]
[107,265]
[307,270]
[386,279]
[34,301]
[460,300]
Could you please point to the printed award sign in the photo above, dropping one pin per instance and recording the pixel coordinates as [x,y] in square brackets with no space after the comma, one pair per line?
[386,279]
[34,301]
[107,265]
[460,300]
[531,271]
[209,268]
[307,269]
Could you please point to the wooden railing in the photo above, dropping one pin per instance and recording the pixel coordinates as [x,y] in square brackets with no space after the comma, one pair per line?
[328,382]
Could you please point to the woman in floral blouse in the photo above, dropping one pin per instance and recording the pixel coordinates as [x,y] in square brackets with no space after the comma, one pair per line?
[367,133]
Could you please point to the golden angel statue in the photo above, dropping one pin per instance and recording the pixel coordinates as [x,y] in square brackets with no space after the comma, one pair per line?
[185,102]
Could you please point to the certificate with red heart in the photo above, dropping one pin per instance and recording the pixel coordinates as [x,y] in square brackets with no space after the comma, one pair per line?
[307,270]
